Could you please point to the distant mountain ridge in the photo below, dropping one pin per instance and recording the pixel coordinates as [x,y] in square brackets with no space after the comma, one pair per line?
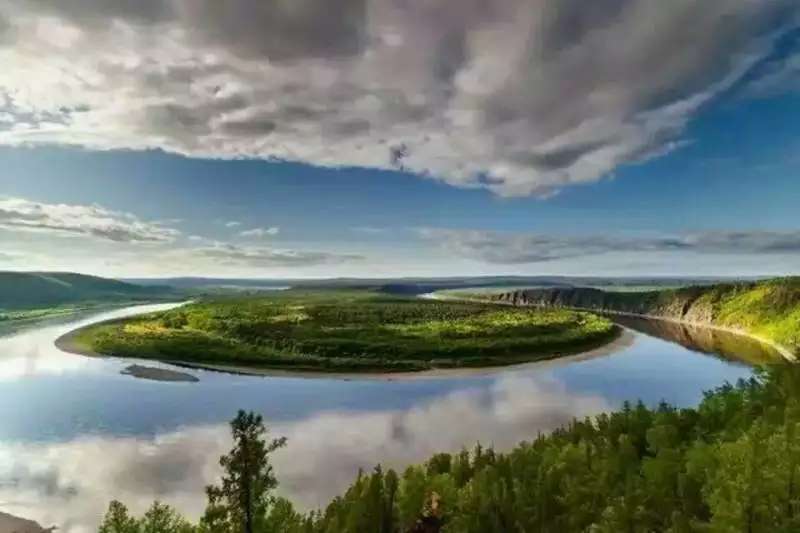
[420,285]
[27,290]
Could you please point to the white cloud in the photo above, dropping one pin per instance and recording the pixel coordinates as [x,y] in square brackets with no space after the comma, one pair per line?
[233,255]
[18,214]
[517,96]
[233,224]
[261,232]
[778,77]
[522,248]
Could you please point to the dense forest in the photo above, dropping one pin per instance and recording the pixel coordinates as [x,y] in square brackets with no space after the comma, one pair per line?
[730,465]
[346,331]
[769,308]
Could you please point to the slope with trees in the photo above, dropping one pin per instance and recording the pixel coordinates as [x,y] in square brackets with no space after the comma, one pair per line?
[730,465]
[769,309]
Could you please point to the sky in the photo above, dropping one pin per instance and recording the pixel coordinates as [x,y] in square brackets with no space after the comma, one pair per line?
[384,138]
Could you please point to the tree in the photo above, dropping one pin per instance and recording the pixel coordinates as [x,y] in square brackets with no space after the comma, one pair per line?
[162,518]
[117,520]
[243,499]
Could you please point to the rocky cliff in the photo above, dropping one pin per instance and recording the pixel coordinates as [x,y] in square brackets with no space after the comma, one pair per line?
[769,309]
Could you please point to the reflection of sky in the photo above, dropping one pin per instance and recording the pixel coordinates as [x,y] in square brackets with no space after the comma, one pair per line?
[70,482]
[75,432]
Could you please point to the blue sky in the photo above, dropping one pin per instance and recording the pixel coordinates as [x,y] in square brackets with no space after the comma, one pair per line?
[702,182]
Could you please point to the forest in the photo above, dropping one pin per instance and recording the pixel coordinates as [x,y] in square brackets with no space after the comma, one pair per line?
[769,309]
[339,330]
[732,464]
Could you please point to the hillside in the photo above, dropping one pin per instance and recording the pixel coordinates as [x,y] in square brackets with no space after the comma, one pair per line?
[769,309]
[30,290]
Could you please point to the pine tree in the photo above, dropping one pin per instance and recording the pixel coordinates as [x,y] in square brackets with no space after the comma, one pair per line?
[242,501]
[117,520]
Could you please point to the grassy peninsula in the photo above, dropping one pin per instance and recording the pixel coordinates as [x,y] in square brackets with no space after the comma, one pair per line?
[346,331]
[768,309]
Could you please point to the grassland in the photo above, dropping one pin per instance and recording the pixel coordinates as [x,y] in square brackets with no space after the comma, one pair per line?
[347,331]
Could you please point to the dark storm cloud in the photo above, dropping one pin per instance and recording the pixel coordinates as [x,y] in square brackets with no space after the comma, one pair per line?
[279,29]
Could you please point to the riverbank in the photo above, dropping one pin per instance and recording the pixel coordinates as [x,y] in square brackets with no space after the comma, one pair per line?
[397,421]
[767,311]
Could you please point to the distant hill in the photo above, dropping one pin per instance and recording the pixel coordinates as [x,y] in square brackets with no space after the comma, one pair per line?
[419,285]
[769,309]
[28,290]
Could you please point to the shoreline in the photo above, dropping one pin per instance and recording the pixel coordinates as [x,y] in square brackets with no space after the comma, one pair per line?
[785,352]
[621,337]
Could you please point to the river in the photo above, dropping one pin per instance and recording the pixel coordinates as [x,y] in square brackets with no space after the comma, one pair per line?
[75,432]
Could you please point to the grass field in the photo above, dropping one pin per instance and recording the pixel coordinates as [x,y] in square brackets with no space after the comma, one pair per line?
[348,331]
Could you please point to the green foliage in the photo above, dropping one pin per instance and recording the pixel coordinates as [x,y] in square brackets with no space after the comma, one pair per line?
[117,520]
[730,465]
[159,518]
[242,501]
[348,330]
[769,309]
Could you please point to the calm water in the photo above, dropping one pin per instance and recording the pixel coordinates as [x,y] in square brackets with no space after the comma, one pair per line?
[75,433]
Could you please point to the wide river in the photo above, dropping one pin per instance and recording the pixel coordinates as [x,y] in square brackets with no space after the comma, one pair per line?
[75,433]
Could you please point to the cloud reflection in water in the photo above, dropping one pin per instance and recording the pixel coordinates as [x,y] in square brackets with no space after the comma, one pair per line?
[70,483]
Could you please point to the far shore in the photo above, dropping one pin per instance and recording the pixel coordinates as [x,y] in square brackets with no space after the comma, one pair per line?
[785,352]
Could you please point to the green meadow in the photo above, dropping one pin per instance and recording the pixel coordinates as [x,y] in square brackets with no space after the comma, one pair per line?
[347,331]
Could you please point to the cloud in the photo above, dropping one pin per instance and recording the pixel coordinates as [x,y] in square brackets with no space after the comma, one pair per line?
[261,232]
[17,214]
[70,483]
[780,76]
[232,224]
[521,248]
[516,96]
[10,257]
[229,254]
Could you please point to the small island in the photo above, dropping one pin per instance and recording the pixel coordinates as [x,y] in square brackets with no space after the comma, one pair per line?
[345,331]
[158,374]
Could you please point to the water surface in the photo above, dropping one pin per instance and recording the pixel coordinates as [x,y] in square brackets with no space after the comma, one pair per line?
[75,432]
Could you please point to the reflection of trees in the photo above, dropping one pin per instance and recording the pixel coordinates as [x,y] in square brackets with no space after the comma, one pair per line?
[730,346]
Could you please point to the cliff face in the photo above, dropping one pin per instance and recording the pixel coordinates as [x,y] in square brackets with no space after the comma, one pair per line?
[769,309]
[684,304]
